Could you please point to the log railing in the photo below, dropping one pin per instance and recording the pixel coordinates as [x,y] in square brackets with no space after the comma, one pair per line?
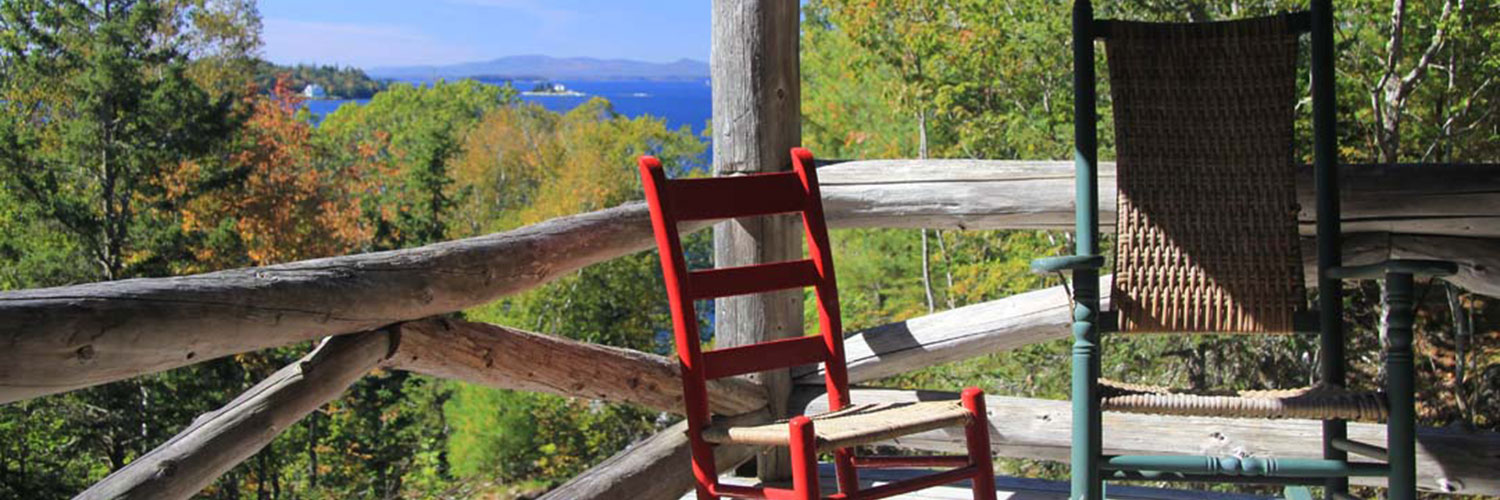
[219,440]
[1448,460]
[1446,200]
[61,339]
[66,338]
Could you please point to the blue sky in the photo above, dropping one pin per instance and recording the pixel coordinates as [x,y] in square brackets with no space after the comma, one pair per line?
[369,33]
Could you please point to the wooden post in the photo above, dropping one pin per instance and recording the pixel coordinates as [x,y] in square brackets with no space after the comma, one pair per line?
[756,98]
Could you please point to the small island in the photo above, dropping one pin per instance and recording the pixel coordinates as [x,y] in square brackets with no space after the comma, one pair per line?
[324,82]
[550,89]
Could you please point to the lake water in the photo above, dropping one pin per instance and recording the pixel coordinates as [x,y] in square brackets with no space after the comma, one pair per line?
[680,103]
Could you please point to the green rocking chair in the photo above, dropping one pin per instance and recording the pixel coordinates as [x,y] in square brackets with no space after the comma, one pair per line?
[1208,243]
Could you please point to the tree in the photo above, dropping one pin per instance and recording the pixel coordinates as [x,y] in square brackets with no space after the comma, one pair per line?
[524,164]
[276,194]
[219,38]
[1430,67]
[98,106]
[417,131]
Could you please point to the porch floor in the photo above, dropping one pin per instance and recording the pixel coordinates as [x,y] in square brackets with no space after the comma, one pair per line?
[1008,488]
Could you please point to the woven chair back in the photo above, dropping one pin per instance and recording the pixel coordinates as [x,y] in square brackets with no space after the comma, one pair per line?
[1207,228]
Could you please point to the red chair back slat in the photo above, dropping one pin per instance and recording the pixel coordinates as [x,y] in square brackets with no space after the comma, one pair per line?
[754,358]
[760,278]
[738,196]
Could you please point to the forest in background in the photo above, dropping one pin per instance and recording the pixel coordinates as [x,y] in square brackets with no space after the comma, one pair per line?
[135,141]
[345,82]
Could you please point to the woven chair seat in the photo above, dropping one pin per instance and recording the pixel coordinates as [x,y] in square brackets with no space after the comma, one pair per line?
[1319,402]
[852,426]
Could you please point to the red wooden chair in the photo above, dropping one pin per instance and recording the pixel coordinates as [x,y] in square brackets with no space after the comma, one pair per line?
[846,425]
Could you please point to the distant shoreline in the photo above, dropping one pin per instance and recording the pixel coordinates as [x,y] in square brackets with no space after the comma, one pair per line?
[565,93]
[539,67]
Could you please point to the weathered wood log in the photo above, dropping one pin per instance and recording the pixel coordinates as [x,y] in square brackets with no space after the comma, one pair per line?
[656,468]
[1448,460]
[1453,200]
[217,441]
[1042,315]
[507,358]
[1478,258]
[955,334]
[65,338]
[756,121]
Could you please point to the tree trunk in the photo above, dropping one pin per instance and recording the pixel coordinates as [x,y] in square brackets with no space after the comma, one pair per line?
[927,274]
[1390,95]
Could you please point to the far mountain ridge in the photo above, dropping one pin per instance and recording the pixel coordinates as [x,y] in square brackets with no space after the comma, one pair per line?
[527,67]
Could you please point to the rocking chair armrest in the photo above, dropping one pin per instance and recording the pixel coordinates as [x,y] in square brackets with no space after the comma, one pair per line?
[1067,263]
[1414,267]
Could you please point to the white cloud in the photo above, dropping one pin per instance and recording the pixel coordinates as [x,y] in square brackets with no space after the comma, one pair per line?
[290,41]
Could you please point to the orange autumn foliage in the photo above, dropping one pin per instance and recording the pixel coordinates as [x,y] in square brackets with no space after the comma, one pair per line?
[288,200]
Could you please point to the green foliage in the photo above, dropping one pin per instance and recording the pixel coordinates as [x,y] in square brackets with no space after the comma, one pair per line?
[417,131]
[527,164]
[97,107]
[35,251]
[524,164]
[514,436]
[986,80]
[840,112]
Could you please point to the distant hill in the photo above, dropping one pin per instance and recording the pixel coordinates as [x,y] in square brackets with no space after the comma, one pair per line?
[535,67]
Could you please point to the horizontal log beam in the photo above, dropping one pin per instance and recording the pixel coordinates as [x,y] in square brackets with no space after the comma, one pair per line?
[1452,200]
[1448,460]
[217,441]
[954,335]
[1478,258]
[1042,315]
[507,358]
[66,338]
[656,468]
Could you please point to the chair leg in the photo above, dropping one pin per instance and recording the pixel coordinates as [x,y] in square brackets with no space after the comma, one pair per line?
[1400,387]
[843,463]
[804,451]
[978,434]
[705,473]
[1088,431]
